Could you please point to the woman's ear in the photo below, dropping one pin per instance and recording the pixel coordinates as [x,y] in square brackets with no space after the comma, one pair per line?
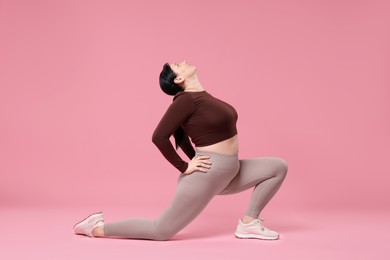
[178,80]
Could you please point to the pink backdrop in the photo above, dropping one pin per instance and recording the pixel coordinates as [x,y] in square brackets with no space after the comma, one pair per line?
[79,96]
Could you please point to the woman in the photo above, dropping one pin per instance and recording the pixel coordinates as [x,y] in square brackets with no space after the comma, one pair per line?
[214,168]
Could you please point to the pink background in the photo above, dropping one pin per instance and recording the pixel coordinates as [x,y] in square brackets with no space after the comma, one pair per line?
[79,99]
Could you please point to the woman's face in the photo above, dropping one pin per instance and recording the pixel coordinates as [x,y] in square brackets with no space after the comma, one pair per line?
[183,69]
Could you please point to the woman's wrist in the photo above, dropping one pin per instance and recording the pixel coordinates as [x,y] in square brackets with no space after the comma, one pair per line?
[185,167]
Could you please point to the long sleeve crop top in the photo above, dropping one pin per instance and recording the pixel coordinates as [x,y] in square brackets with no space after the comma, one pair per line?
[204,118]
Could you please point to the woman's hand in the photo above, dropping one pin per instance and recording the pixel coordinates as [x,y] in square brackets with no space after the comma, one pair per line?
[198,163]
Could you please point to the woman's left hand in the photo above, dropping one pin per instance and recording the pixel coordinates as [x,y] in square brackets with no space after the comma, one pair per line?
[198,163]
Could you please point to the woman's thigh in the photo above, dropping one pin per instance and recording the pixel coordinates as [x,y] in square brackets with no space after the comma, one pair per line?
[194,191]
[253,171]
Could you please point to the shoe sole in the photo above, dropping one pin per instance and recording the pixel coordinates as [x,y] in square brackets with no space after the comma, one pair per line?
[98,215]
[255,236]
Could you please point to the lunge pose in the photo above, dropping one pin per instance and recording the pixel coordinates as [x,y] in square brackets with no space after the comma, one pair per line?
[213,169]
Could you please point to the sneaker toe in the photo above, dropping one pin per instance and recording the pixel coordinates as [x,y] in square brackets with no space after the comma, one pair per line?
[85,226]
[271,233]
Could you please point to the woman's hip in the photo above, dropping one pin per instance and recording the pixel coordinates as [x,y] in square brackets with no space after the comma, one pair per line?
[221,162]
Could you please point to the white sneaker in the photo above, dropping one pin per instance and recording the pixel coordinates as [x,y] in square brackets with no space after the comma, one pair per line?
[86,226]
[255,229]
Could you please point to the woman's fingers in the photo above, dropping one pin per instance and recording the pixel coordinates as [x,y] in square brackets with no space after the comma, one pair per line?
[201,169]
[204,165]
[200,163]
[204,159]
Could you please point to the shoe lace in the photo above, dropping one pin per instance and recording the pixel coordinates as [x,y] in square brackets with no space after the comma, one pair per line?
[260,221]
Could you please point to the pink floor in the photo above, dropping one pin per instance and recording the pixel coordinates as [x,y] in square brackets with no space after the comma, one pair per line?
[46,233]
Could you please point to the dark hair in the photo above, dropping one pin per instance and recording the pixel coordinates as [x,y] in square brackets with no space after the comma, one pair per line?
[167,84]
[169,87]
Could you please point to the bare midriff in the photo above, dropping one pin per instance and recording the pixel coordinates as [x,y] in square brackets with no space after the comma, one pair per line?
[228,147]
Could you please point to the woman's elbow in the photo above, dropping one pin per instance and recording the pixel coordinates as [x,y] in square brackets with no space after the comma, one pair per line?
[157,139]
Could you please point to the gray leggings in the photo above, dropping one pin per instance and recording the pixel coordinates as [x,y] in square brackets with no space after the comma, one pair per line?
[227,175]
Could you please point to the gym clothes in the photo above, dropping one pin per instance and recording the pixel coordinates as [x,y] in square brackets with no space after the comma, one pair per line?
[204,118]
[227,175]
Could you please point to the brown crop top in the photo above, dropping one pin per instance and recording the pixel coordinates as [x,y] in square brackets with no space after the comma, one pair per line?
[204,118]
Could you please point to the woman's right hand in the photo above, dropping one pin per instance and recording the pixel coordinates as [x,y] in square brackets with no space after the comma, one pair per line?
[198,163]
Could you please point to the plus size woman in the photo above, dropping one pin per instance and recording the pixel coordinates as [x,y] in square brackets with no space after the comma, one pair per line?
[213,167]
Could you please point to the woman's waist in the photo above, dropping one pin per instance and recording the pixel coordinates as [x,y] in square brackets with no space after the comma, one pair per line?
[225,147]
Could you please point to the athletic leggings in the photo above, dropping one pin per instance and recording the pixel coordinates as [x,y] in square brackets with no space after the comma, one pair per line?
[227,175]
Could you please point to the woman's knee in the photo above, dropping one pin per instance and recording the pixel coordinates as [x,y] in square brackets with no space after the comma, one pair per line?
[282,167]
[164,233]
[162,237]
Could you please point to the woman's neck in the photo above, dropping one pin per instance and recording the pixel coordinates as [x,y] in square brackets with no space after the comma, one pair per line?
[193,85]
